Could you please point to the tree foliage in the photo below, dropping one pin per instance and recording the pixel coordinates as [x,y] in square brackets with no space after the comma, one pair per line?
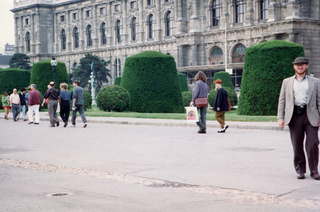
[21,61]
[99,66]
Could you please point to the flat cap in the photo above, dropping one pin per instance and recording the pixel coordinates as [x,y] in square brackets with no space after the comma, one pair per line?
[301,60]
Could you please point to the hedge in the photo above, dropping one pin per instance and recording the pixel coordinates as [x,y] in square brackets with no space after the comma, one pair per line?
[183,82]
[42,74]
[225,77]
[13,78]
[266,65]
[186,98]
[113,98]
[152,81]
[87,100]
[117,81]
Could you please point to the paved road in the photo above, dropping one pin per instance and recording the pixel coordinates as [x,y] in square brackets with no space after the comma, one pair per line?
[149,168]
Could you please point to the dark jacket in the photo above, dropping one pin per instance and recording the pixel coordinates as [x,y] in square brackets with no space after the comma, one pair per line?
[200,90]
[52,94]
[221,103]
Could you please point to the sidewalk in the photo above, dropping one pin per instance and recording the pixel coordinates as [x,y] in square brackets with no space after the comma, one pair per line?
[170,122]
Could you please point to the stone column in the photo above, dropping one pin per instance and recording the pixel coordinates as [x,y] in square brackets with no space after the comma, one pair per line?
[159,18]
[124,13]
[194,55]
[293,10]
[195,19]
[110,25]
[141,21]
[249,13]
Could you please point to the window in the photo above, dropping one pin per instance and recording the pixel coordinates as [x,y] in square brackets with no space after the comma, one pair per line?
[88,33]
[62,18]
[88,13]
[216,56]
[263,9]
[103,33]
[75,38]
[117,31]
[117,8]
[238,53]
[149,2]
[238,11]
[167,23]
[150,26]
[63,39]
[102,11]
[133,28]
[28,46]
[117,67]
[215,9]
[74,16]
[132,5]
[166,1]
[27,21]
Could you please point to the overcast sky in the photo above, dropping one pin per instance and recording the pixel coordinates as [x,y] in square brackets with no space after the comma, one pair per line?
[6,23]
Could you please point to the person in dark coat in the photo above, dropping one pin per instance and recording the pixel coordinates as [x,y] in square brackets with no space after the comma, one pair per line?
[221,105]
[65,103]
[200,90]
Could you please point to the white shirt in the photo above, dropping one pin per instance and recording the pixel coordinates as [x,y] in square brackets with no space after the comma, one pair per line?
[14,99]
[300,91]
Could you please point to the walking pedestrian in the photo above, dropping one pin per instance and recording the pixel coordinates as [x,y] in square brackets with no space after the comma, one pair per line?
[78,104]
[5,100]
[200,100]
[15,104]
[33,105]
[221,105]
[52,97]
[65,102]
[23,104]
[299,107]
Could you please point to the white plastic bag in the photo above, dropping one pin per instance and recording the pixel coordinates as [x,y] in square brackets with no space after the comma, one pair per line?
[192,114]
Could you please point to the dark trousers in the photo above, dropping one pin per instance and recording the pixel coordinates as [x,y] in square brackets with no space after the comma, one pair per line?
[299,128]
[80,109]
[65,110]
[202,118]
[15,111]
[52,109]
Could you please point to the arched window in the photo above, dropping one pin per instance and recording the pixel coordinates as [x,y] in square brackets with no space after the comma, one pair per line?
[216,56]
[149,2]
[215,9]
[75,38]
[88,33]
[238,53]
[167,23]
[63,39]
[263,9]
[133,28]
[103,33]
[150,26]
[238,11]
[117,31]
[28,46]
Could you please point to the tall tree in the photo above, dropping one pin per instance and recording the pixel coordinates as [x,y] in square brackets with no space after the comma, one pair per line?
[97,65]
[21,61]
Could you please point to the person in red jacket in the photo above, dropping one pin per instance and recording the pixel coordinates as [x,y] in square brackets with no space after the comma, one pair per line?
[33,105]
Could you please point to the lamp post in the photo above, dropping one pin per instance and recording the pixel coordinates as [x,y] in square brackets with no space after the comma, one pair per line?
[54,64]
[93,91]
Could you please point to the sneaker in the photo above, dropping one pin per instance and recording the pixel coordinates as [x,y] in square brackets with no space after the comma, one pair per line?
[222,131]
[202,131]
[65,124]
[36,123]
[226,127]
[30,123]
[85,125]
[58,123]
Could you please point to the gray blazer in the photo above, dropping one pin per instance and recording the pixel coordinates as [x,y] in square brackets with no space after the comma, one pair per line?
[286,101]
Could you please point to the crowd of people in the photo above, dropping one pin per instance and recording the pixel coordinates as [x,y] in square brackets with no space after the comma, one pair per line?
[25,104]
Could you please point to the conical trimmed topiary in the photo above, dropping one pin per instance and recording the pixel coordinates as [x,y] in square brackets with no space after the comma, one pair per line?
[151,79]
[266,65]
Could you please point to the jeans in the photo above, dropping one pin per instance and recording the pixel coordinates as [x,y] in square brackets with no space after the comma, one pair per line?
[65,110]
[15,111]
[23,112]
[80,109]
[202,118]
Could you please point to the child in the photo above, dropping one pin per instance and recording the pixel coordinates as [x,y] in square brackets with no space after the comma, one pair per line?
[6,105]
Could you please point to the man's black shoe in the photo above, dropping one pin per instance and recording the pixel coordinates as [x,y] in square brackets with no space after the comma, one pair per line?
[315,176]
[202,132]
[36,123]
[58,123]
[30,122]
[301,176]
[65,124]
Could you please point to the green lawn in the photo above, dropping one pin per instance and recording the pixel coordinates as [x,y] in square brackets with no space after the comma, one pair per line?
[230,116]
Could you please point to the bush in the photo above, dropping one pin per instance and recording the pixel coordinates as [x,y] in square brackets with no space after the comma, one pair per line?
[87,100]
[1,101]
[186,98]
[117,81]
[266,65]
[113,98]
[232,96]
[42,74]
[13,78]
[151,79]
[183,84]
[225,77]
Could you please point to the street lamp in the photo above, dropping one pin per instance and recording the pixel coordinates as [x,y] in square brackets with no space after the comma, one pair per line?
[93,91]
[54,64]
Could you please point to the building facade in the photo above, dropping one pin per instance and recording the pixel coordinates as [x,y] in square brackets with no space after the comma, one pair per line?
[207,35]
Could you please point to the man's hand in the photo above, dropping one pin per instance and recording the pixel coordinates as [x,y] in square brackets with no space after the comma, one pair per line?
[281,123]
[218,108]
[191,103]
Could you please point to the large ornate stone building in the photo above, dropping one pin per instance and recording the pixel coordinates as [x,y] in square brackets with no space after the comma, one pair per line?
[208,35]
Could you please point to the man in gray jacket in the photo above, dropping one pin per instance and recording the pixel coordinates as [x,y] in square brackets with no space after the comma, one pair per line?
[299,107]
